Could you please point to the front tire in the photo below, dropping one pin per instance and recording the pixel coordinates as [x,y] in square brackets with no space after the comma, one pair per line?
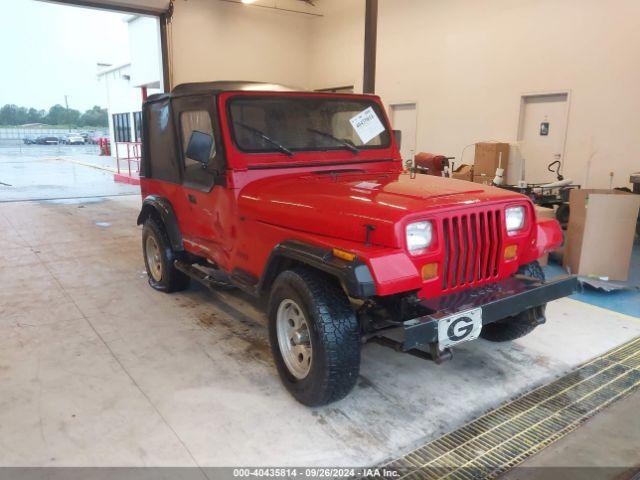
[517,326]
[159,259]
[314,335]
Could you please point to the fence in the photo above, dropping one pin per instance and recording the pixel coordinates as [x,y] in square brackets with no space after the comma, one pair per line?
[15,135]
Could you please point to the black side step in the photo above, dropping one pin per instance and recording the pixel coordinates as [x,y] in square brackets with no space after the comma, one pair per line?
[210,281]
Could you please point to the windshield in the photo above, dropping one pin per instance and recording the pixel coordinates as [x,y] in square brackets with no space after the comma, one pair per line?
[289,124]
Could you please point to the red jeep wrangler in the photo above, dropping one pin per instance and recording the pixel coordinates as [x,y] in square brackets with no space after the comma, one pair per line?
[302,197]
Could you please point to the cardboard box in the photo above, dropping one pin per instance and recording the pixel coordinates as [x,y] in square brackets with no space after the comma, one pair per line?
[463,172]
[600,234]
[483,178]
[488,159]
[542,212]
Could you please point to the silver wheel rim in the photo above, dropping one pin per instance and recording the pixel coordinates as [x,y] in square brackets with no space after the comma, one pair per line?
[154,260]
[294,338]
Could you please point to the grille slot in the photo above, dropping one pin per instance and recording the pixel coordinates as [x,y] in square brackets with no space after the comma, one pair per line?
[472,246]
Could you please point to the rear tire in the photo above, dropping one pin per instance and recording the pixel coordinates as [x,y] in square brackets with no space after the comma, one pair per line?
[314,335]
[517,326]
[159,259]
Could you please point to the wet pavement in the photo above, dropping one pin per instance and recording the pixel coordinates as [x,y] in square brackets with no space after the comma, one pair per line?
[36,172]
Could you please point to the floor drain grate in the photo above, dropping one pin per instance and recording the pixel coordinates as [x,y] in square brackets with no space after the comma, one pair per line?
[504,437]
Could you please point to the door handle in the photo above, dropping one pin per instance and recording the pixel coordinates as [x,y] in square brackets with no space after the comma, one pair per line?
[192,199]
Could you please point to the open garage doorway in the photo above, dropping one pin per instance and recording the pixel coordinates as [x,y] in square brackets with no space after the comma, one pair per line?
[70,108]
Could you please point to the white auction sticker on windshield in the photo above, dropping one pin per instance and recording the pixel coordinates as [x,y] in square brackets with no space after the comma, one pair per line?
[367,125]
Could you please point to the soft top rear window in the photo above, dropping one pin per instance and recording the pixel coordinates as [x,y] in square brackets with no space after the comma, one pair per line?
[290,124]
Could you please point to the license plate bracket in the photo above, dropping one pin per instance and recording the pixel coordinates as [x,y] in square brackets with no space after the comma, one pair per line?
[459,327]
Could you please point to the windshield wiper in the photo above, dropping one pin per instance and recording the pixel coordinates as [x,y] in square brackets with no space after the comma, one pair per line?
[266,138]
[344,143]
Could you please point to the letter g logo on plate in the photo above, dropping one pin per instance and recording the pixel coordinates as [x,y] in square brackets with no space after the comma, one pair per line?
[460,328]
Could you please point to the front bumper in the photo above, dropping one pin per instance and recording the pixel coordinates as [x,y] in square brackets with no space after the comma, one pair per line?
[498,300]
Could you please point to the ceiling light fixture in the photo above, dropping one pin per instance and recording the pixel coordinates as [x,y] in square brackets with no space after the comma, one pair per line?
[254,3]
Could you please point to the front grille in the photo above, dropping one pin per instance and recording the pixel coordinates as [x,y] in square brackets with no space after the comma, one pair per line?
[472,246]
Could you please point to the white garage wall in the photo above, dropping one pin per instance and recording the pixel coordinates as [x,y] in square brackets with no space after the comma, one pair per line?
[214,40]
[466,63]
[337,45]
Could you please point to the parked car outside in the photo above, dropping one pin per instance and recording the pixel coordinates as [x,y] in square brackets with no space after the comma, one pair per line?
[73,139]
[48,140]
[29,140]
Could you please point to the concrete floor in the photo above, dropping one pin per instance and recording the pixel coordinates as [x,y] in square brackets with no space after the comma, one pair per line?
[96,368]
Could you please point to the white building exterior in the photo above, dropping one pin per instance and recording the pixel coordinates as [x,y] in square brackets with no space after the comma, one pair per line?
[128,83]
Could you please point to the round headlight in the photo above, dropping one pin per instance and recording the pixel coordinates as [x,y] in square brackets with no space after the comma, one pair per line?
[419,236]
[514,218]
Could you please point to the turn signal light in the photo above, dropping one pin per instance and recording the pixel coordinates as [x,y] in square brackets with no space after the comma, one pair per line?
[510,252]
[347,256]
[429,271]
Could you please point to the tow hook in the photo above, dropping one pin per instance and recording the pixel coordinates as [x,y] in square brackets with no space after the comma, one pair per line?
[439,356]
[537,316]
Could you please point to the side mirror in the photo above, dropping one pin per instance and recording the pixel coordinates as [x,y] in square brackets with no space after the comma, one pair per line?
[200,148]
[398,136]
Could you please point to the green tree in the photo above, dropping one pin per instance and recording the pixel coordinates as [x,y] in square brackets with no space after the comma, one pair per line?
[9,115]
[96,117]
[22,116]
[59,115]
[35,116]
[72,117]
[56,115]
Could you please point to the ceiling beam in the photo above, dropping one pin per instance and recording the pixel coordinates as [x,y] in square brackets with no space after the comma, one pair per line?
[114,6]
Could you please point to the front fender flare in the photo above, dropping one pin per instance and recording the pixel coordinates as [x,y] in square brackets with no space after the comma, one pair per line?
[162,207]
[355,277]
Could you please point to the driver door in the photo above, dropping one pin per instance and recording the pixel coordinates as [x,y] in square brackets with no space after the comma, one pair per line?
[202,191]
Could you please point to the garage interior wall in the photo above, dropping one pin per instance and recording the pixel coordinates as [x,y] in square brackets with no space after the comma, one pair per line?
[218,40]
[467,63]
[337,45]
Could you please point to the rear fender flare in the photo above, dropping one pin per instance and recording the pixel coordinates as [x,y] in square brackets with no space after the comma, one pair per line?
[160,206]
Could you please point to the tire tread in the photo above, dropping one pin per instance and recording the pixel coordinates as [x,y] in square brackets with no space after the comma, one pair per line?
[338,329]
[173,279]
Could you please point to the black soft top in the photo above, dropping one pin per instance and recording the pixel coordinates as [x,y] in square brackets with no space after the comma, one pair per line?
[215,88]
[161,151]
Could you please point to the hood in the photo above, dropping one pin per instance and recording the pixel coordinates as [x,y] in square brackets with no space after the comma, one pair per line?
[341,205]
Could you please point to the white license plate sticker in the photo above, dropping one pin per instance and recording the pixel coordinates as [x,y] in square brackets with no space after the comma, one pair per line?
[458,328]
